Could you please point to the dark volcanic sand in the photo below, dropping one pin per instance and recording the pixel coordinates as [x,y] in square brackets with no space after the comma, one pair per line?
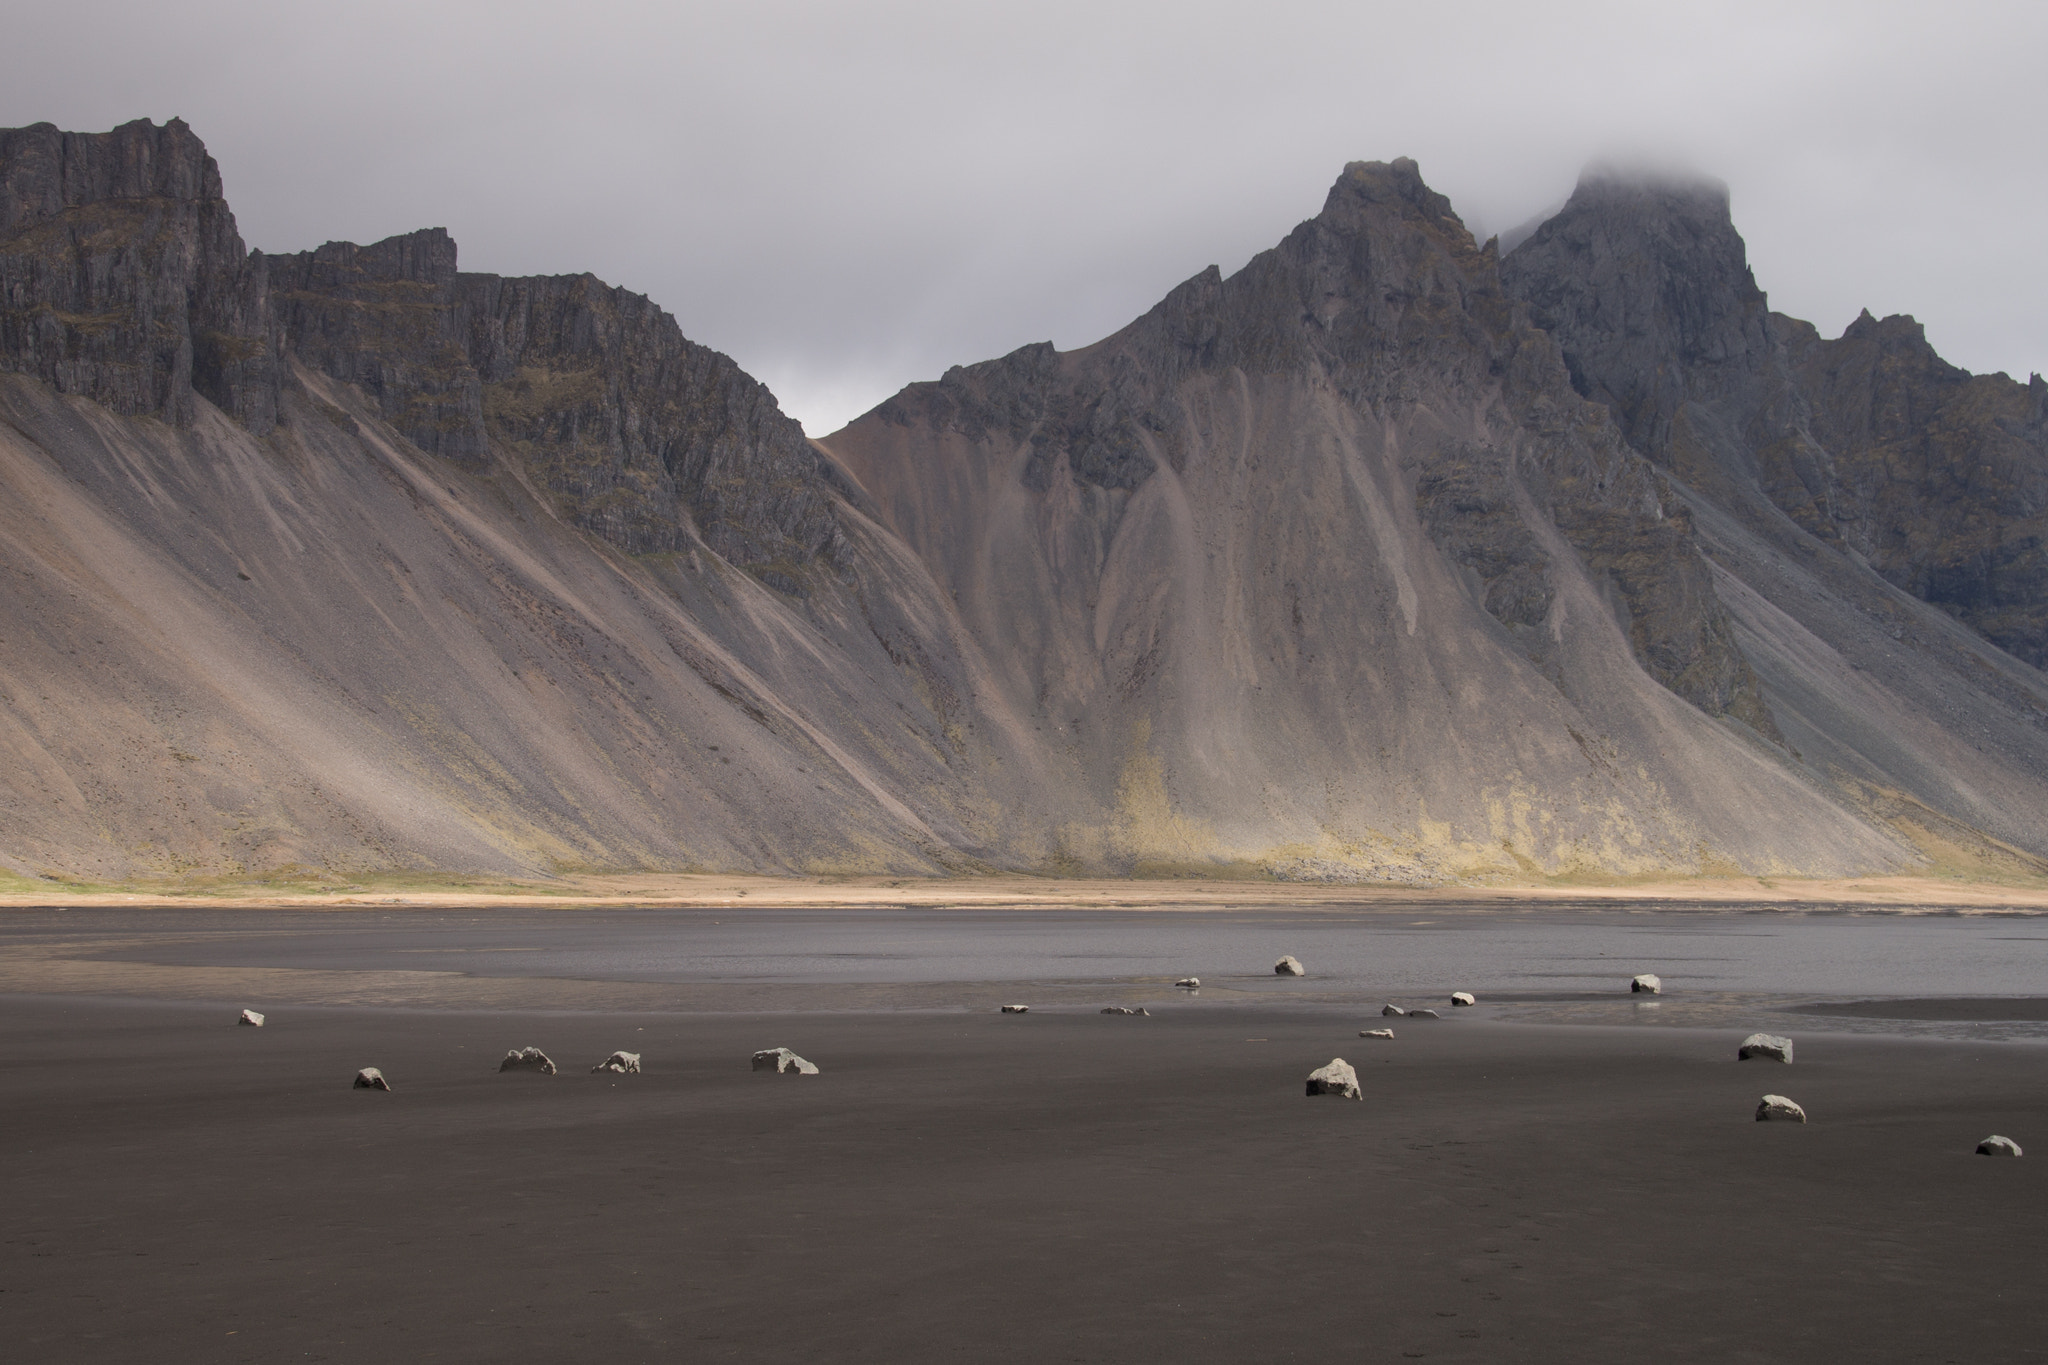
[1945,1008]
[1051,1187]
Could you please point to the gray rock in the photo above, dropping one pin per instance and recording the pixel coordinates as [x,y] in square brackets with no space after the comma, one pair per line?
[251,1018]
[1463,998]
[1777,1107]
[783,1062]
[370,1078]
[1998,1146]
[1337,1078]
[624,1063]
[1392,1012]
[1189,983]
[124,278]
[527,1059]
[1375,1033]
[1016,1009]
[1125,1009]
[1289,966]
[1647,984]
[1766,1045]
[1424,1014]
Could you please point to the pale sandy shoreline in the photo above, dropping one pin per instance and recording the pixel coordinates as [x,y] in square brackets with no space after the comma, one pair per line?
[1904,895]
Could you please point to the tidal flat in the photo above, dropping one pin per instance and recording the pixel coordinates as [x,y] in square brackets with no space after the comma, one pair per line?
[1563,1172]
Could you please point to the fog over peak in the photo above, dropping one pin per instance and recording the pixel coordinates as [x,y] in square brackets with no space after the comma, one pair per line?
[846,197]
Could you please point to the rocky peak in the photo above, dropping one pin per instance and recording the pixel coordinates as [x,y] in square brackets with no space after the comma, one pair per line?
[1645,284]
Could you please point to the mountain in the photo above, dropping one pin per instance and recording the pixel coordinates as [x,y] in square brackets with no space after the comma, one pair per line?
[1382,559]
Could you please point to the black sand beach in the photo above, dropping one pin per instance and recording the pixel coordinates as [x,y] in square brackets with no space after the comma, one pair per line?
[971,1186]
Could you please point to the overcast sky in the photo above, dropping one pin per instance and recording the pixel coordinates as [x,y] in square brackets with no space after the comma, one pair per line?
[847,195]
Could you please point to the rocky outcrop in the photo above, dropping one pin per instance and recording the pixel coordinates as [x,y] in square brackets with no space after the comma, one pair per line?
[1936,477]
[620,1063]
[1998,1146]
[528,1059]
[1649,983]
[251,1018]
[1289,965]
[641,435]
[370,1078]
[122,276]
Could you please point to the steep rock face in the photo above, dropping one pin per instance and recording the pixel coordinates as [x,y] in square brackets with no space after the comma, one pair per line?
[636,430]
[122,278]
[1939,478]
[1870,443]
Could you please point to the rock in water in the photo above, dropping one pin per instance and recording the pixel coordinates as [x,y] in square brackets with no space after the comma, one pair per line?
[527,1059]
[1124,1009]
[1463,998]
[1393,1012]
[1778,1107]
[370,1078]
[252,1018]
[624,1063]
[1998,1146]
[1375,1033]
[1335,1079]
[1424,1014]
[1766,1045]
[1646,984]
[1289,966]
[1189,983]
[1016,1009]
[781,1060]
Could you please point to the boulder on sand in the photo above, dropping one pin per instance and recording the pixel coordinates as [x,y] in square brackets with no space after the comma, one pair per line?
[251,1018]
[1289,966]
[1424,1014]
[1646,984]
[370,1078]
[1125,1009]
[1998,1146]
[1772,1107]
[1335,1079]
[1462,998]
[1766,1045]
[624,1063]
[1189,983]
[527,1059]
[1375,1033]
[1393,1012]
[1016,1009]
[782,1061]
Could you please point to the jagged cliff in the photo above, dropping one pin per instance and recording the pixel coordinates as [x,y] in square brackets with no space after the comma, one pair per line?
[1378,559]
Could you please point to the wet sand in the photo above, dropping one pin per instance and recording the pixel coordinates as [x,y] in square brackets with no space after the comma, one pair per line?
[1060,1186]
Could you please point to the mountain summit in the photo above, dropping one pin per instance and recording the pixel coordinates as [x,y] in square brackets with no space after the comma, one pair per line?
[1380,559]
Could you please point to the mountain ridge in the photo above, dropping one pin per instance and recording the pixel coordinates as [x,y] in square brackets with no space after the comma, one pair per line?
[1338,568]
